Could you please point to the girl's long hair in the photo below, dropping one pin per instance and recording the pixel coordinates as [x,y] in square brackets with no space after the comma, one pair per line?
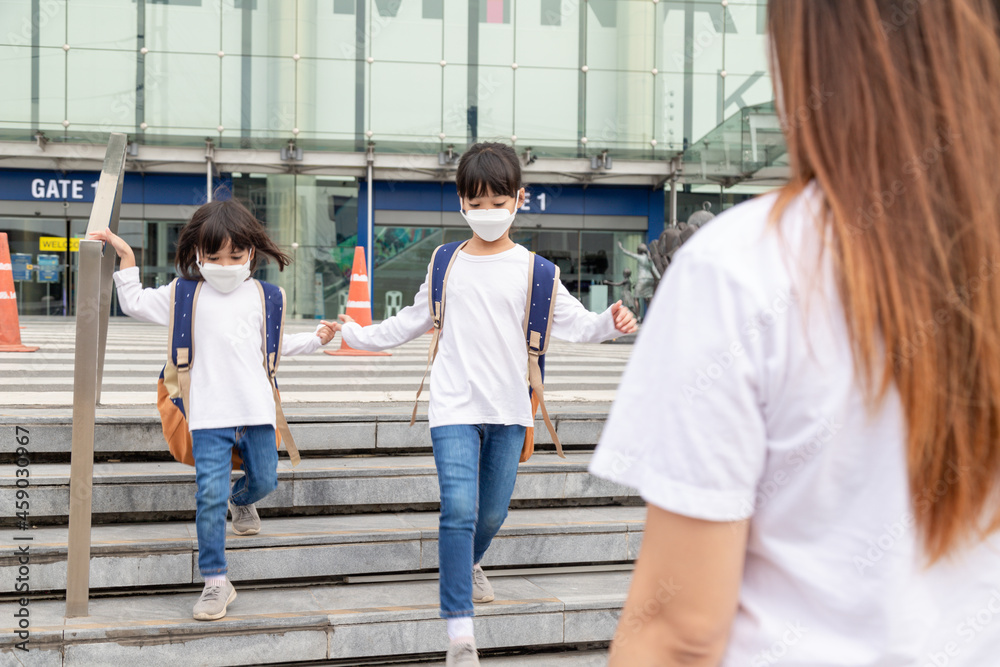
[893,108]
[215,223]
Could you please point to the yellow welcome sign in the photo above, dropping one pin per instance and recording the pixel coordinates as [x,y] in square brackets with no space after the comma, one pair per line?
[57,244]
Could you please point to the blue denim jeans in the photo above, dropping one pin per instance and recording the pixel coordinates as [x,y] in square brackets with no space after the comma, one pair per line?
[477,468]
[213,448]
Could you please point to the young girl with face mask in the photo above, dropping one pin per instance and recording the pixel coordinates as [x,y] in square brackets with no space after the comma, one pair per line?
[479,405]
[231,401]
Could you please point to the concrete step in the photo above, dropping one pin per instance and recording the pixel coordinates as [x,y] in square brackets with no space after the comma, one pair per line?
[136,492]
[131,434]
[317,623]
[323,547]
[566,659]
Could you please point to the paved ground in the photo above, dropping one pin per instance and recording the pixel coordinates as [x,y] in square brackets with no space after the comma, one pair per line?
[577,376]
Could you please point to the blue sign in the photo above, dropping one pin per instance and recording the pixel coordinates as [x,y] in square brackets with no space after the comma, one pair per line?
[49,268]
[79,186]
[20,263]
[539,198]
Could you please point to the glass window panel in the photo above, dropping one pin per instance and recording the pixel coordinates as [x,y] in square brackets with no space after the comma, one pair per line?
[184,92]
[670,110]
[325,34]
[15,81]
[705,102]
[341,6]
[560,248]
[101,24]
[620,35]
[704,46]
[745,91]
[401,256]
[548,34]
[600,260]
[433,9]
[619,109]
[15,17]
[272,29]
[405,100]
[547,105]
[496,43]
[496,103]
[190,27]
[101,88]
[326,96]
[455,102]
[746,48]
[51,85]
[272,95]
[456,32]
[393,37]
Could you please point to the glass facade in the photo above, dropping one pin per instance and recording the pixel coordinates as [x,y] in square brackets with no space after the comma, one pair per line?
[642,80]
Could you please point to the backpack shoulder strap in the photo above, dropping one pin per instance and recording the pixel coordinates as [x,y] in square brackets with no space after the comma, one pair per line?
[437,278]
[543,286]
[184,299]
[272,301]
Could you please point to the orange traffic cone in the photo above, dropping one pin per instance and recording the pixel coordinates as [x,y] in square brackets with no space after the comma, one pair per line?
[10,330]
[359,307]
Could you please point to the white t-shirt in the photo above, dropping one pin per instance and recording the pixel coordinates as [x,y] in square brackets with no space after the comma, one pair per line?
[229,386]
[480,374]
[740,400]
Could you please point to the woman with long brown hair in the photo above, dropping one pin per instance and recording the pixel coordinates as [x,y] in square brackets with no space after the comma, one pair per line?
[812,412]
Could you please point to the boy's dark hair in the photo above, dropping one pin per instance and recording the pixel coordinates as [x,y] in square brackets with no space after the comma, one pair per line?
[488,167]
[217,221]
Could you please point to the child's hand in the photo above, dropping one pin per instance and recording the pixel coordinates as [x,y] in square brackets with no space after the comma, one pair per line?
[118,243]
[345,319]
[325,332]
[624,319]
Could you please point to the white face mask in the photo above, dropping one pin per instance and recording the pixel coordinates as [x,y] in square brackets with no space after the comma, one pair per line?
[224,278]
[491,223]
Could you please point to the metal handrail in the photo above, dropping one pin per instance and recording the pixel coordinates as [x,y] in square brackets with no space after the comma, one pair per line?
[93,307]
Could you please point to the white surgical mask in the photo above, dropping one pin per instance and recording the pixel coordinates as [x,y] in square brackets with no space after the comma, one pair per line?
[224,278]
[491,223]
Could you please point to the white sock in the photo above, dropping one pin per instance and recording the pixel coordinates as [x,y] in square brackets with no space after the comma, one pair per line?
[460,628]
[217,580]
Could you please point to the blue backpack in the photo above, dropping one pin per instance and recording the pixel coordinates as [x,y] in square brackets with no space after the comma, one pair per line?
[543,286]
[174,386]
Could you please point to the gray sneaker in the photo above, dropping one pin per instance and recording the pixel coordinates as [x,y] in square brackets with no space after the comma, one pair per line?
[462,654]
[246,521]
[482,591]
[212,604]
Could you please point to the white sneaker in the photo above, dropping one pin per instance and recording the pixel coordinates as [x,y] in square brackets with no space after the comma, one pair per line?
[482,591]
[462,654]
[213,602]
[246,521]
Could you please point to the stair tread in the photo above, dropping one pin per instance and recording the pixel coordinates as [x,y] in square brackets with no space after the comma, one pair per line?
[335,529]
[374,466]
[395,618]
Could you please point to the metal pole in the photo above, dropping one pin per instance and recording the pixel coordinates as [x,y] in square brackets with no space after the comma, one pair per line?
[92,300]
[673,200]
[208,180]
[88,308]
[371,228]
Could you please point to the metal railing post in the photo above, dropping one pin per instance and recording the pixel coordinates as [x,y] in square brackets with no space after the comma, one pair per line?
[93,301]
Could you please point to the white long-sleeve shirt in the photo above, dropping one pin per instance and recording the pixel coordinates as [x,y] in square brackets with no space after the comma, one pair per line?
[229,386]
[480,374]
